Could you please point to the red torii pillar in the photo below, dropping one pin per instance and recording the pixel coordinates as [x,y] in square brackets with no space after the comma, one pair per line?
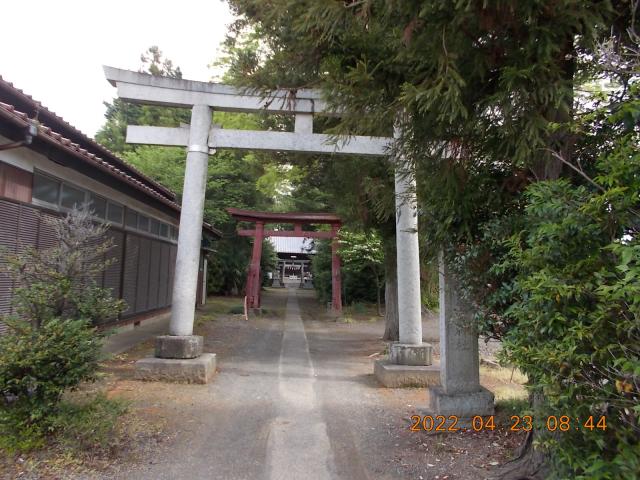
[336,277]
[254,278]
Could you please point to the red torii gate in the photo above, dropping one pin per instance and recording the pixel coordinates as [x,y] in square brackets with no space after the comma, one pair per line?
[254,280]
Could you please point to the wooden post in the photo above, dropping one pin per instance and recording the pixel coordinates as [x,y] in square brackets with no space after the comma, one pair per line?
[254,283]
[336,280]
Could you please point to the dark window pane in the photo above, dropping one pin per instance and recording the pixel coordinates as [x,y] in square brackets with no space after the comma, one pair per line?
[71,197]
[155,227]
[174,232]
[114,213]
[143,223]
[164,230]
[45,188]
[98,205]
[132,218]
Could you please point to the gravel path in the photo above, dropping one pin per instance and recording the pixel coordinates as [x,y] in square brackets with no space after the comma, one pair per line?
[294,398]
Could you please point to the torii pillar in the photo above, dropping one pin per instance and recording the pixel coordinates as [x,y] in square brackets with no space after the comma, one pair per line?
[254,278]
[336,276]
[179,356]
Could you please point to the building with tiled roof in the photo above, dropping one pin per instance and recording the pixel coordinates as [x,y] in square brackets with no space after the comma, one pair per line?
[47,166]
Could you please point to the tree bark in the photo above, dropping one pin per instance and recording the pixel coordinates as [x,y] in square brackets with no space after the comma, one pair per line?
[531,463]
[392,322]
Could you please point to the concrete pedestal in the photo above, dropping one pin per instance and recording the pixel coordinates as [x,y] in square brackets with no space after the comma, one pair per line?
[406,376]
[462,405]
[179,346]
[194,370]
[407,366]
[415,355]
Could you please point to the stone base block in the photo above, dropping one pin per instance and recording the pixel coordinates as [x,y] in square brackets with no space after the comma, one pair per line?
[403,376]
[179,346]
[406,354]
[194,370]
[462,405]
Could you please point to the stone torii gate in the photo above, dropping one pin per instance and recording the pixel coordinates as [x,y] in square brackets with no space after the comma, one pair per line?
[254,280]
[179,354]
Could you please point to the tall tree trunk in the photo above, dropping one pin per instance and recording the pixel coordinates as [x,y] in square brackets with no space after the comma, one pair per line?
[392,323]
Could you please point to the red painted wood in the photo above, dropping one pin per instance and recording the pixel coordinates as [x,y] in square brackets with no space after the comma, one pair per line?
[286,233]
[298,220]
[254,280]
[294,217]
[336,280]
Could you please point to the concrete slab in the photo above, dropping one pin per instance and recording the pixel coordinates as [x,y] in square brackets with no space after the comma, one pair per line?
[462,405]
[403,376]
[194,370]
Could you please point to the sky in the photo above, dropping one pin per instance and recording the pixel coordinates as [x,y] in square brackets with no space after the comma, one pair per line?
[54,50]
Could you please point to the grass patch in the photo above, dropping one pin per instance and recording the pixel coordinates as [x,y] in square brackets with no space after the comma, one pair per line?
[82,426]
[219,304]
[236,310]
[91,425]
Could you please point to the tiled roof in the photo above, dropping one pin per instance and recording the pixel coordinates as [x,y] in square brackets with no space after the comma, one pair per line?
[10,113]
[293,245]
[45,133]
[58,123]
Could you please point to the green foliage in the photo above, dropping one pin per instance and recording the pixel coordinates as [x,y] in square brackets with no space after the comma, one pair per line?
[495,102]
[362,267]
[119,114]
[53,346]
[566,303]
[268,261]
[58,282]
[237,310]
[37,365]
[321,268]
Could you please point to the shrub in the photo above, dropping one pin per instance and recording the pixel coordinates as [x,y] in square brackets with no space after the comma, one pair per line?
[59,282]
[572,311]
[52,347]
[37,365]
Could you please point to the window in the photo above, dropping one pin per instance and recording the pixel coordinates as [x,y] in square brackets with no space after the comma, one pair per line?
[72,197]
[131,218]
[173,232]
[143,223]
[155,227]
[98,205]
[114,213]
[164,230]
[46,189]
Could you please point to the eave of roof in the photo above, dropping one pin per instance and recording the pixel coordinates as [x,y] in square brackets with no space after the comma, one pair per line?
[58,123]
[45,134]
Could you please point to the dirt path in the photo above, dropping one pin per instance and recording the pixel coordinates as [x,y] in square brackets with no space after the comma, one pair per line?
[294,398]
